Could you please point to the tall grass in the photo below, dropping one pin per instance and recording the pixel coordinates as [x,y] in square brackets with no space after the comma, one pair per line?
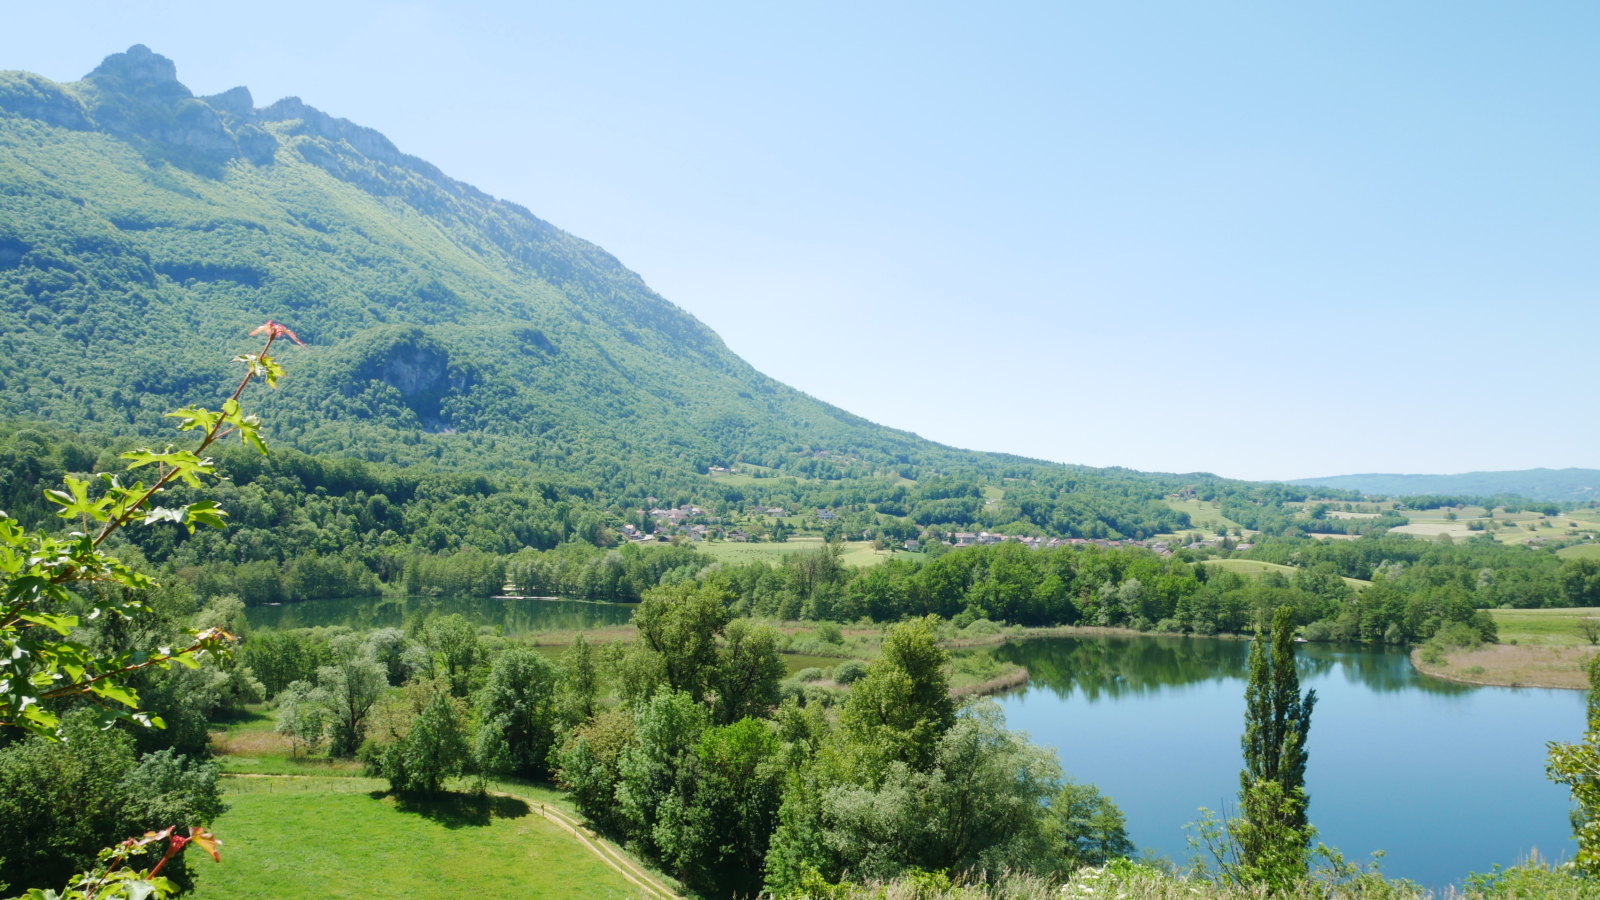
[1122,880]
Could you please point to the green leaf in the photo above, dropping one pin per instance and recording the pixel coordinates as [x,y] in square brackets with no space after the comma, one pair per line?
[204,512]
[61,625]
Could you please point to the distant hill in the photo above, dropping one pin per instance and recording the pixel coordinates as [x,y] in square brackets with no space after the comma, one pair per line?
[1556,485]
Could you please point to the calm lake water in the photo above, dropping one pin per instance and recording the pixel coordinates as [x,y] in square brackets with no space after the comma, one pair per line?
[1445,778]
[515,616]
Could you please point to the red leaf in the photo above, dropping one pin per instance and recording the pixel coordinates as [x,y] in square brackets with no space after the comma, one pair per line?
[274,330]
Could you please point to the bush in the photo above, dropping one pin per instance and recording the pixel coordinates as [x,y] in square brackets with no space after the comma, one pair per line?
[850,671]
[1319,631]
[810,673]
[829,633]
[60,802]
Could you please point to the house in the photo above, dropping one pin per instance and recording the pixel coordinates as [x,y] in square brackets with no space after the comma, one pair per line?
[739,536]
[967,536]
[776,511]
[1244,546]
[913,546]
[826,515]
[714,471]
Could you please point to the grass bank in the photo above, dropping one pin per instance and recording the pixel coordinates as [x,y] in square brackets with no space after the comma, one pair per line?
[1538,648]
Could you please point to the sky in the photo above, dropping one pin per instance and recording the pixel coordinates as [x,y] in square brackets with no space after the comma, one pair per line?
[1264,240]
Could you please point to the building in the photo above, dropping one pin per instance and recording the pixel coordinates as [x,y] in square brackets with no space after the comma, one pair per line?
[826,515]
[913,546]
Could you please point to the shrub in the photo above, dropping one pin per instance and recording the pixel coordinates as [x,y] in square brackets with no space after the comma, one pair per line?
[850,671]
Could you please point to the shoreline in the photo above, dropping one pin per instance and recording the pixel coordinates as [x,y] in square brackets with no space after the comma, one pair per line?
[1518,666]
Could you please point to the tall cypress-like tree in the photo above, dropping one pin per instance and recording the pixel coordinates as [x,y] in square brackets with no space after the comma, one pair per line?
[1272,833]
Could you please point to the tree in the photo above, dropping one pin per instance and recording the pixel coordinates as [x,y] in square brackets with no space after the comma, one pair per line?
[902,706]
[590,767]
[302,715]
[1578,767]
[518,709]
[680,625]
[749,673]
[580,684]
[351,688]
[1271,833]
[655,767]
[720,840]
[453,640]
[1580,581]
[433,750]
[1090,829]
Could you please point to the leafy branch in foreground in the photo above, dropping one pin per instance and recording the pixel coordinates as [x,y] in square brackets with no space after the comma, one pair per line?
[38,572]
[111,880]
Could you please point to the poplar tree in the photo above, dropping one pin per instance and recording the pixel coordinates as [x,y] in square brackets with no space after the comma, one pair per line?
[1272,833]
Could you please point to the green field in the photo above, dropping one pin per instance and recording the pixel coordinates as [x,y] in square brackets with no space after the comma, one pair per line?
[1582,551]
[1203,516]
[856,553]
[1256,567]
[342,838]
[1543,626]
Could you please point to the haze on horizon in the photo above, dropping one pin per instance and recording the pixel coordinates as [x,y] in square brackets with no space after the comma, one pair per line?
[1261,241]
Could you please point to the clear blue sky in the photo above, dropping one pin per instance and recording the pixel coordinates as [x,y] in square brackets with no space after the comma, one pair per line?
[1265,240]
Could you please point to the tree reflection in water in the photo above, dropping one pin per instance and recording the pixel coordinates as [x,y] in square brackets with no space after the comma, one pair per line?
[1107,667]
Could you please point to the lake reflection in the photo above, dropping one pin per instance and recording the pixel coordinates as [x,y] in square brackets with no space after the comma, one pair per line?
[1446,778]
[514,616]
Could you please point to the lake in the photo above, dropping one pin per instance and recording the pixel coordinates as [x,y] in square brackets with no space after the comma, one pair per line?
[514,616]
[1445,778]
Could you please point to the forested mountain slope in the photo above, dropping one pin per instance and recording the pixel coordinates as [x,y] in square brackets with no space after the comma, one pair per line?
[144,231]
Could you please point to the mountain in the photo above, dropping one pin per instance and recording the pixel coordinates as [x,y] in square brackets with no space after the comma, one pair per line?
[1553,485]
[144,230]
[159,226]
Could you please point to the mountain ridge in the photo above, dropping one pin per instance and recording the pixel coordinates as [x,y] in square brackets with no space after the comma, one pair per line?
[1554,485]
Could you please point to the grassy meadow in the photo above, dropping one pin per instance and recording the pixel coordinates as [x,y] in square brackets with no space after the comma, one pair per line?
[1538,648]
[291,838]
[1258,568]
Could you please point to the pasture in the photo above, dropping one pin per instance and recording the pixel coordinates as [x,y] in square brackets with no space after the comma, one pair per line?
[1257,568]
[1203,516]
[1557,627]
[313,838]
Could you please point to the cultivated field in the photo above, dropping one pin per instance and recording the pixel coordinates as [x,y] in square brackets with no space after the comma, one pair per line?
[856,553]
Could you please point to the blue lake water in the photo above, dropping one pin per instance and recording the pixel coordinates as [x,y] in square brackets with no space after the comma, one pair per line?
[1445,778]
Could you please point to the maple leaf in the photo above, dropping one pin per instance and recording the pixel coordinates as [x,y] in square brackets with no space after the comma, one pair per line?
[274,330]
